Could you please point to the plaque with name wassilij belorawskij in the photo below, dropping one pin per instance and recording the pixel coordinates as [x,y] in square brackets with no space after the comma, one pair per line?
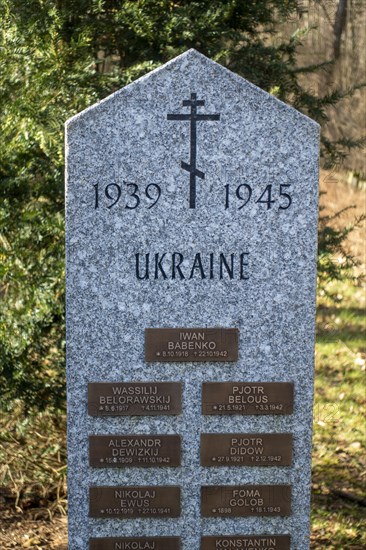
[191,255]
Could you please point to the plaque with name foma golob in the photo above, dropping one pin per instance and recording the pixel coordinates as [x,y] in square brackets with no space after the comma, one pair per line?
[245,500]
[247,398]
[134,398]
[118,451]
[191,344]
[268,542]
[137,543]
[134,502]
[253,449]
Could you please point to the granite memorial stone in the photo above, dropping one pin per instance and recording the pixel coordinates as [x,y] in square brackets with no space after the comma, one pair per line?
[191,267]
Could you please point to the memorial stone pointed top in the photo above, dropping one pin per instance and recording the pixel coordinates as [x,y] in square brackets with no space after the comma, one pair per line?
[191,201]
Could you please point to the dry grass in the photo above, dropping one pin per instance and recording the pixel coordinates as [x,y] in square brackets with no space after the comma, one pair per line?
[337,195]
[33,462]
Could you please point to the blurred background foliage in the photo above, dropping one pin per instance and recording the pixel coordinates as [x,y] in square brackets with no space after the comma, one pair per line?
[58,57]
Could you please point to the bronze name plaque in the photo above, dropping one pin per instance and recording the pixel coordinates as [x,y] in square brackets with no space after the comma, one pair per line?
[118,451]
[237,449]
[247,397]
[191,344]
[269,542]
[136,543]
[134,502]
[245,500]
[134,398]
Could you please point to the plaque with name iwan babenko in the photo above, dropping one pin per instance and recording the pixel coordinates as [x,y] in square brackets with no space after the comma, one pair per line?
[134,502]
[191,344]
[245,500]
[251,542]
[262,398]
[118,451]
[251,449]
[136,543]
[134,398]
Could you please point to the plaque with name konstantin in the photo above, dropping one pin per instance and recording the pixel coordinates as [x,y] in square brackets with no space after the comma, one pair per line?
[256,449]
[191,344]
[147,451]
[136,543]
[134,502]
[269,542]
[262,398]
[245,500]
[134,398]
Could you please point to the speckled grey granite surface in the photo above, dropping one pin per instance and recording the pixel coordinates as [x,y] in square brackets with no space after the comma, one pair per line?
[258,141]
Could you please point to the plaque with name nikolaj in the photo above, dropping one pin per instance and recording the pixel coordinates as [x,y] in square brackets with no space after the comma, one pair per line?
[147,451]
[247,398]
[253,449]
[270,542]
[134,398]
[191,344]
[136,543]
[134,502]
[245,500]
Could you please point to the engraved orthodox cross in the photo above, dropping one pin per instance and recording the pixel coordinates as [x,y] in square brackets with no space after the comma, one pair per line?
[193,117]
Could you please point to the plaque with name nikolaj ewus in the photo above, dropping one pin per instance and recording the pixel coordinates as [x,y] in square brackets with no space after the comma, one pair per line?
[245,500]
[253,449]
[191,344]
[269,542]
[147,451]
[134,398]
[260,398]
[139,543]
[134,502]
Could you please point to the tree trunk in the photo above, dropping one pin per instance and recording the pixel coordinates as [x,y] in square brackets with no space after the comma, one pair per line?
[339,26]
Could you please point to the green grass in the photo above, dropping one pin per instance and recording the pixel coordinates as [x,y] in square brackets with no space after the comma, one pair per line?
[339,464]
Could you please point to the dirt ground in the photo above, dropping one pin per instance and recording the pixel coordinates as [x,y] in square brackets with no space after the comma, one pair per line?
[32,531]
[35,530]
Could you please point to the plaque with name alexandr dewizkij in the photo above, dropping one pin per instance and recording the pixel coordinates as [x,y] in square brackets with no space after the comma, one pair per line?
[252,449]
[137,543]
[134,502]
[245,500]
[247,398]
[147,451]
[134,398]
[269,542]
[191,344]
